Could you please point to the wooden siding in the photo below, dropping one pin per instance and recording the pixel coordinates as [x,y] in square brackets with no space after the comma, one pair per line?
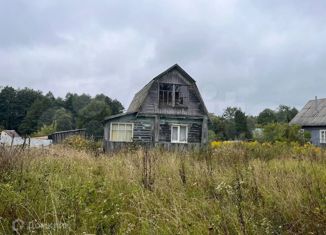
[145,131]
[193,105]
[58,137]
[315,134]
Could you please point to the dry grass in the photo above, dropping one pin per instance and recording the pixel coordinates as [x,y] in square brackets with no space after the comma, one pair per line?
[231,190]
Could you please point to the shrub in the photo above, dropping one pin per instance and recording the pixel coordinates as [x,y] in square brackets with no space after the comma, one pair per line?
[283,132]
[81,143]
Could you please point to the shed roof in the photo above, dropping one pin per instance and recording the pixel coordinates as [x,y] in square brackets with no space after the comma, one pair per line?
[312,114]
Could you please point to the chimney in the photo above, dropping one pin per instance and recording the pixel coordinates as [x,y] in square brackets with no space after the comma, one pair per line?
[316,104]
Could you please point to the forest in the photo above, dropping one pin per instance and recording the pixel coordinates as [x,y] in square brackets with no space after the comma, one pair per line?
[30,112]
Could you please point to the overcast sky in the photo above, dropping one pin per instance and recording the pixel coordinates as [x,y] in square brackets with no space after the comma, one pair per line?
[250,54]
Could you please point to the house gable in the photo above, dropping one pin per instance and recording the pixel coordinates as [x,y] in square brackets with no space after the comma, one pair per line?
[148,100]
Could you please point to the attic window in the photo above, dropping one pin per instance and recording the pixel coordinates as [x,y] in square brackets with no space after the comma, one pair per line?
[171,94]
[166,93]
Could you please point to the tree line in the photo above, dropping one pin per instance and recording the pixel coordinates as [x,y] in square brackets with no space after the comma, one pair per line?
[234,124]
[30,112]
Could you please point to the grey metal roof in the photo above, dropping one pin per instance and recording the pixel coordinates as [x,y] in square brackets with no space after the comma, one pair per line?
[312,114]
[142,94]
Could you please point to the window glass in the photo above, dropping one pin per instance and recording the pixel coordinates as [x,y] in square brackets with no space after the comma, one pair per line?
[179,134]
[121,132]
[322,136]
[183,134]
[175,133]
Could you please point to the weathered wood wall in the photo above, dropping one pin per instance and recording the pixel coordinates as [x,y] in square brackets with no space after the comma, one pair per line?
[58,137]
[193,104]
[155,131]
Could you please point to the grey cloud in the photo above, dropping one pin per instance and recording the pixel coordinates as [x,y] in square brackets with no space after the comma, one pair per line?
[251,54]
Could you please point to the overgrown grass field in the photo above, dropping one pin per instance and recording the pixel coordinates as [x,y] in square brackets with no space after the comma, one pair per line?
[231,188]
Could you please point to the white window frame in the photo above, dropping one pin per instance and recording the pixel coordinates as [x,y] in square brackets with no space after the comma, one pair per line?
[122,123]
[178,126]
[321,139]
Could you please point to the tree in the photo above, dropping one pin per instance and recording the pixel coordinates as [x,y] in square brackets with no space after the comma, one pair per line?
[241,126]
[229,113]
[285,133]
[266,116]
[217,128]
[96,110]
[24,99]
[63,120]
[7,107]
[31,122]
[285,113]
[115,105]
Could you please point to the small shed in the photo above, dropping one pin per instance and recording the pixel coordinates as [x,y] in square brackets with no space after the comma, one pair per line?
[169,111]
[312,118]
[58,137]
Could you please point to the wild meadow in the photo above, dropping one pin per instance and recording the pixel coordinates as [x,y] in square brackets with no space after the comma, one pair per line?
[228,188]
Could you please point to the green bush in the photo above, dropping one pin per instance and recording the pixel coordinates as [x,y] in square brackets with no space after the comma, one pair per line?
[80,143]
[283,132]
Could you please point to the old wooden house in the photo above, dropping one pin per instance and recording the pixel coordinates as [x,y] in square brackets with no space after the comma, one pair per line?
[312,118]
[169,111]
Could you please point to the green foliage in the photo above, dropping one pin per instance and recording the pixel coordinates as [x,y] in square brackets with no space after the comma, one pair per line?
[284,133]
[30,123]
[266,116]
[45,130]
[80,143]
[63,120]
[14,105]
[93,115]
[285,114]
[238,188]
[30,112]
[233,124]
[241,126]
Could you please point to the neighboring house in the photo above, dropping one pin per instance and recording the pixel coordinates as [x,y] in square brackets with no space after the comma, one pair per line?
[312,118]
[11,137]
[168,111]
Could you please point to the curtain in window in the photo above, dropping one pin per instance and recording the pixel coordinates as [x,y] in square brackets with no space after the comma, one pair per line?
[121,132]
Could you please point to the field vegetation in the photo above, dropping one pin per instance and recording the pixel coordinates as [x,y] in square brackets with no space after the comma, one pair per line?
[229,188]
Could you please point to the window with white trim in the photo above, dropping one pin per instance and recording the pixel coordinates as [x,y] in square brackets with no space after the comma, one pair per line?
[322,136]
[179,133]
[121,132]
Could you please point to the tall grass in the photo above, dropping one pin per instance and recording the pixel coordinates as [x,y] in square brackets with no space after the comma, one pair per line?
[234,189]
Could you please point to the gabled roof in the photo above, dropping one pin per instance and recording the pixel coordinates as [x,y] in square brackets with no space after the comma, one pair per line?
[312,114]
[140,96]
